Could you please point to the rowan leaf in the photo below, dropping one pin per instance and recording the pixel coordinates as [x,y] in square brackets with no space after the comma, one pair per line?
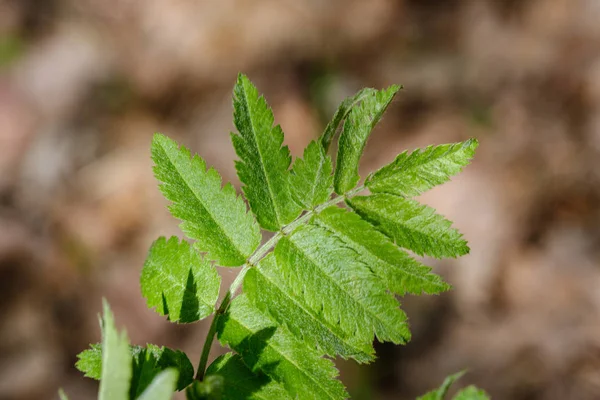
[266,287]
[272,349]
[411,174]
[214,216]
[325,274]
[311,180]
[411,225]
[401,273]
[178,282]
[357,129]
[264,163]
[239,383]
[340,115]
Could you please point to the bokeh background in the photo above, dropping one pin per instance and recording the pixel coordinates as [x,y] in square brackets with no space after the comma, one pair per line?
[85,83]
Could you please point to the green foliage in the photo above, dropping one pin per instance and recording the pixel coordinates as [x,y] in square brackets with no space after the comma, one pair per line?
[311,179]
[162,387]
[90,361]
[230,378]
[471,393]
[277,353]
[395,267]
[411,225]
[264,163]
[340,115]
[213,216]
[131,373]
[324,285]
[114,381]
[265,286]
[357,129]
[468,393]
[412,174]
[177,282]
[147,363]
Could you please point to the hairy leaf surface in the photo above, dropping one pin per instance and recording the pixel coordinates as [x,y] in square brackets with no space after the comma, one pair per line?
[311,180]
[116,374]
[178,282]
[412,225]
[357,128]
[411,174]
[269,348]
[267,288]
[401,273]
[340,115]
[213,216]
[240,383]
[326,275]
[264,164]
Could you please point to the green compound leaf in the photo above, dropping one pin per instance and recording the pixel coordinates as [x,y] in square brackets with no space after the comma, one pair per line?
[264,164]
[412,225]
[411,174]
[162,387]
[266,287]
[311,180]
[239,383]
[340,115]
[277,353]
[116,360]
[440,393]
[326,276]
[401,273]
[213,216]
[357,128]
[471,393]
[178,282]
[147,362]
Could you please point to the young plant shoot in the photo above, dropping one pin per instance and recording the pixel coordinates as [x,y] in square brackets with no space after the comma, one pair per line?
[326,283]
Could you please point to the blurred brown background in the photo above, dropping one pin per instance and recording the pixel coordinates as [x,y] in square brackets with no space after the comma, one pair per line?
[85,83]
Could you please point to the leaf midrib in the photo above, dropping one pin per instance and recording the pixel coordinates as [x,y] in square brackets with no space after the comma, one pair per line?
[202,203]
[396,168]
[260,155]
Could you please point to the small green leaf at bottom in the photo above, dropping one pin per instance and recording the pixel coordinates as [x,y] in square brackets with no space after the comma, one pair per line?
[471,393]
[178,282]
[116,374]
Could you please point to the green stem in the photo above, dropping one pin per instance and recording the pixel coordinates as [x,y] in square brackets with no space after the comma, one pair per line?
[208,344]
[252,261]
